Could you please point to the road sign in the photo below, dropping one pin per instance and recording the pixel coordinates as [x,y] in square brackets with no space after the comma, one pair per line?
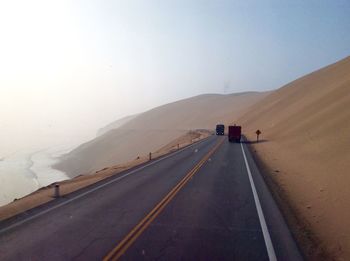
[258,132]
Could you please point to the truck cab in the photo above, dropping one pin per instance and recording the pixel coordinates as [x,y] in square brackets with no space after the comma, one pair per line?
[234,133]
[220,129]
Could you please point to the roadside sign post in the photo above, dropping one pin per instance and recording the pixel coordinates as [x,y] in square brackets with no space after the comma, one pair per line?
[258,132]
[57,191]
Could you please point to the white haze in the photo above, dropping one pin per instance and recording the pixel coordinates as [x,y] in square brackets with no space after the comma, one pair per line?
[68,68]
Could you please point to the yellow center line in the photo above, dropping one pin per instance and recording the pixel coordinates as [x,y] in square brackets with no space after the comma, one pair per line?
[130,238]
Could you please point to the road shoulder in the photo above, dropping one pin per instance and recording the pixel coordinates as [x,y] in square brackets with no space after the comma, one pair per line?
[286,247]
[307,241]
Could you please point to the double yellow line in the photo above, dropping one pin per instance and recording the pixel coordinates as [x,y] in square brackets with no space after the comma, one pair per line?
[130,238]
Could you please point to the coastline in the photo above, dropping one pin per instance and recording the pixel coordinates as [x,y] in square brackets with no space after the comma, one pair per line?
[42,167]
[28,172]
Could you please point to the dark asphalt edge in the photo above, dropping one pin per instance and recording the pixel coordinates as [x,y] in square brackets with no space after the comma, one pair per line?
[45,206]
[273,211]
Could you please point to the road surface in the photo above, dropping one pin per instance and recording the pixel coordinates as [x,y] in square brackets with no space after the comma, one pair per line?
[204,202]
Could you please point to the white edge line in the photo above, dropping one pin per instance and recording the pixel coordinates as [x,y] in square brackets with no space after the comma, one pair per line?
[269,247]
[96,188]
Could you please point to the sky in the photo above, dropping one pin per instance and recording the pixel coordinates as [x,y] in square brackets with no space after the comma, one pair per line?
[67,68]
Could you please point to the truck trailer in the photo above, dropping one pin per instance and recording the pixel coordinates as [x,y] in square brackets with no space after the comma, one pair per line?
[234,133]
[220,129]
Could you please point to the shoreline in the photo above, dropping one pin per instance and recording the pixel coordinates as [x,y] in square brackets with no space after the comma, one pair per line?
[43,167]
[29,168]
[28,172]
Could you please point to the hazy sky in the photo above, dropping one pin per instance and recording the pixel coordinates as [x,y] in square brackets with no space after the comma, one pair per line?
[70,67]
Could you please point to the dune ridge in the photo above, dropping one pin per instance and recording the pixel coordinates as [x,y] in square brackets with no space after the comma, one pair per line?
[115,124]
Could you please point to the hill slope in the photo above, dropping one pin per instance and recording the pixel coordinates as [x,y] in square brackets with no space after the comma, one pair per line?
[115,124]
[153,129]
[306,126]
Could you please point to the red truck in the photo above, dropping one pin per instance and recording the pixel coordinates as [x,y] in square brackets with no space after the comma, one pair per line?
[234,133]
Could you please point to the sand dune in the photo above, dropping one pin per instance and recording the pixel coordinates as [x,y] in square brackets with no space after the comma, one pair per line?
[153,129]
[306,125]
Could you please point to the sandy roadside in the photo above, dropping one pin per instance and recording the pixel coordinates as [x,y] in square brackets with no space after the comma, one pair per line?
[45,194]
[305,126]
[306,211]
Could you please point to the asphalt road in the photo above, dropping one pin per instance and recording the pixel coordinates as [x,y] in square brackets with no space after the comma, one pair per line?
[205,202]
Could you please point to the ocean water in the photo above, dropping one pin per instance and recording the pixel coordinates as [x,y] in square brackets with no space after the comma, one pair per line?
[25,172]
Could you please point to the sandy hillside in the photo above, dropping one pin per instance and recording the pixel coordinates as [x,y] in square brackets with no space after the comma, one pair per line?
[153,129]
[306,128]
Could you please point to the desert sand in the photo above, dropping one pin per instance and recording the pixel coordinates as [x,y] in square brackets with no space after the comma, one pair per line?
[155,128]
[306,145]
